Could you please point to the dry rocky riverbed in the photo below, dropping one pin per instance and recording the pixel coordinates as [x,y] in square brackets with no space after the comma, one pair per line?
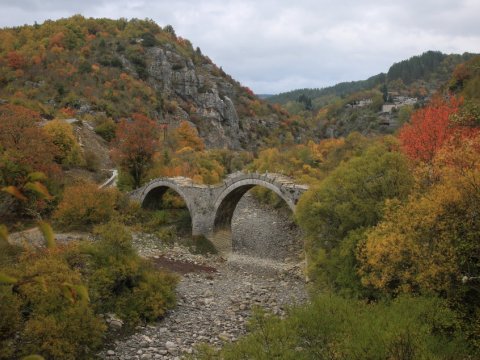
[215,295]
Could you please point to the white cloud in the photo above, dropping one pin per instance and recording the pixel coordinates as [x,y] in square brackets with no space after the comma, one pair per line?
[274,46]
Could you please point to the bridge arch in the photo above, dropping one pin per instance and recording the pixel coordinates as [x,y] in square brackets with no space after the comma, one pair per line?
[154,191]
[228,199]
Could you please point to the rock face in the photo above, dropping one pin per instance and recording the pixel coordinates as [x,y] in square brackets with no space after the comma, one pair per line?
[208,99]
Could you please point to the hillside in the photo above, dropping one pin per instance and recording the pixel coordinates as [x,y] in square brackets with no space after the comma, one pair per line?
[100,69]
[378,105]
[340,89]
[422,74]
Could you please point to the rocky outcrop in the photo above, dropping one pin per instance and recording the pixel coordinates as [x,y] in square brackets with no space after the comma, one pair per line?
[211,96]
[204,96]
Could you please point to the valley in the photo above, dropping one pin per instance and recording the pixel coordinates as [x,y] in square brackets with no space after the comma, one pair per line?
[152,207]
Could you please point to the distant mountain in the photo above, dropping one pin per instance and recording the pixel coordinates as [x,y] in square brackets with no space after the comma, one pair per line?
[264,96]
[425,73]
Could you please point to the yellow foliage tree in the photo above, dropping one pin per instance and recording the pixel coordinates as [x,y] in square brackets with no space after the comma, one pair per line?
[430,243]
[61,134]
[84,205]
[186,136]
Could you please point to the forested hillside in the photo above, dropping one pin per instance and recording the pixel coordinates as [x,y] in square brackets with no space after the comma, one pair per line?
[341,89]
[432,69]
[101,70]
[378,105]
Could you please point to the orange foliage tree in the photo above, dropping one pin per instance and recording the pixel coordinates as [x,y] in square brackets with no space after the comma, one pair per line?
[24,149]
[187,136]
[135,144]
[15,60]
[430,129]
[24,143]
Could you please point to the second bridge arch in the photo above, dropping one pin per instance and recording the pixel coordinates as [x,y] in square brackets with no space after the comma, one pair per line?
[226,204]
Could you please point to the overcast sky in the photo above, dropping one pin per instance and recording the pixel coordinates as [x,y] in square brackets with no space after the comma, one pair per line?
[274,46]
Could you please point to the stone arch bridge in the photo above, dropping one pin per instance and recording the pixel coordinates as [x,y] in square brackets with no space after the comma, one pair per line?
[211,207]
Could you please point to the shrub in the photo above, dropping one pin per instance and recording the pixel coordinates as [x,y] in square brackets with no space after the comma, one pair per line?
[84,67]
[85,205]
[91,161]
[335,328]
[48,310]
[10,321]
[167,234]
[106,129]
[121,282]
[131,212]
[61,134]
[350,198]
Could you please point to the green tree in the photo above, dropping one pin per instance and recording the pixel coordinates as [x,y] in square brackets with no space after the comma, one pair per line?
[350,198]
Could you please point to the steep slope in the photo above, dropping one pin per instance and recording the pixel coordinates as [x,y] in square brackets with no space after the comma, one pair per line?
[94,69]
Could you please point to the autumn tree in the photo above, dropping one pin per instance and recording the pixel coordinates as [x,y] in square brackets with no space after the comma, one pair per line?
[15,60]
[335,213]
[61,134]
[430,243]
[84,205]
[24,149]
[135,144]
[429,129]
[24,143]
[187,136]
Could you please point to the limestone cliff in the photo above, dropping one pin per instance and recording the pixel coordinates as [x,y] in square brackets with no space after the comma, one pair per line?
[213,94]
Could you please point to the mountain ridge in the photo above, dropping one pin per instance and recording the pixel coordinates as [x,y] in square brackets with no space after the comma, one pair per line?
[409,70]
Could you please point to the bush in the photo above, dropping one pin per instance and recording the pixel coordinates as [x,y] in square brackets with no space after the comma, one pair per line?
[106,129]
[167,234]
[61,134]
[123,283]
[131,213]
[91,161]
[335,328]
[351,198]
[47,311]
[85,205]
[10,321]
